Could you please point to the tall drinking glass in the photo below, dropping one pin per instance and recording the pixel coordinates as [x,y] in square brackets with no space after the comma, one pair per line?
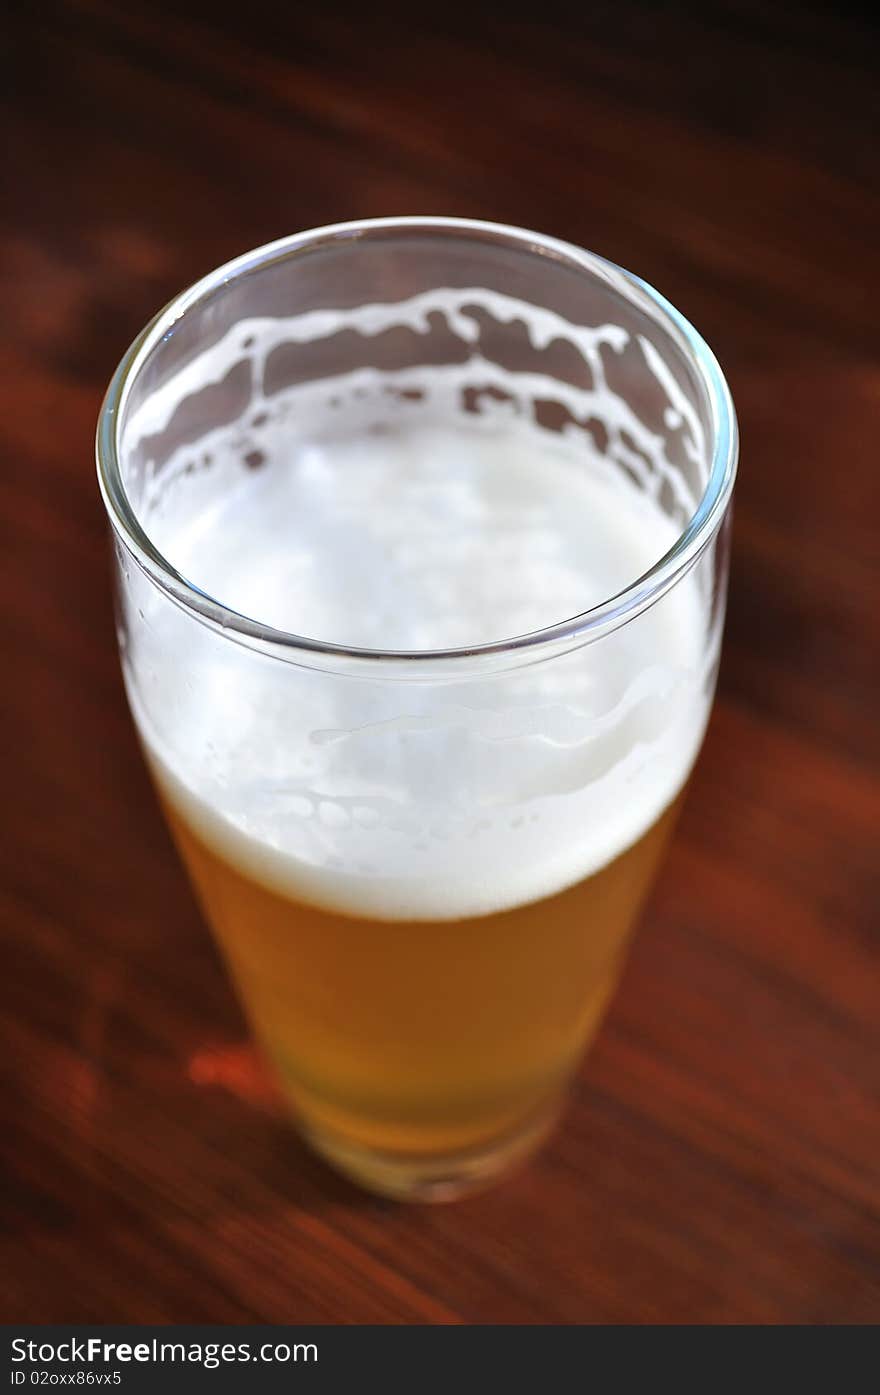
[421,540]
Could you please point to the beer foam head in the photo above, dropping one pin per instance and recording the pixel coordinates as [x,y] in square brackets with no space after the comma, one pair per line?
[416,509]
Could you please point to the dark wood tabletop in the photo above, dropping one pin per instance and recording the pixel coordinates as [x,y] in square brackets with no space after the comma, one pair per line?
[720,1161]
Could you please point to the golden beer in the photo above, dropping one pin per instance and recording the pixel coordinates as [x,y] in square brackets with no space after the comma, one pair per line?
[415,1040]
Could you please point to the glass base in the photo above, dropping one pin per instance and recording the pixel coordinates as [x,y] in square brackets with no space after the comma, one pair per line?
[444,1177]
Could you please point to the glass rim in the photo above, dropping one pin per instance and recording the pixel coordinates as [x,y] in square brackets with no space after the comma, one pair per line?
[588,625]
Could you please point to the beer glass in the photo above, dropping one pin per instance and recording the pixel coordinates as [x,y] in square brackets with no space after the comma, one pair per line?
[420,530]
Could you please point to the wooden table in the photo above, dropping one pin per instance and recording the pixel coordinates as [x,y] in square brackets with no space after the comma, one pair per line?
[720,1159]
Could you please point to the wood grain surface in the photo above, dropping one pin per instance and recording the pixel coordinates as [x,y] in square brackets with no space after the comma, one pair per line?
[719,1162]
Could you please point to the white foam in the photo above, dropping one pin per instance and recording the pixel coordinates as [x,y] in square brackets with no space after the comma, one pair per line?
[423,538]
[418,526]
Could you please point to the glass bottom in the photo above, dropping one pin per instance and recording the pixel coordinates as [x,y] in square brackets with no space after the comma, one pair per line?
[443,1177]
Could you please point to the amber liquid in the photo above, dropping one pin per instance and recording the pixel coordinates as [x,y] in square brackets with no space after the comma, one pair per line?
[423,1039]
